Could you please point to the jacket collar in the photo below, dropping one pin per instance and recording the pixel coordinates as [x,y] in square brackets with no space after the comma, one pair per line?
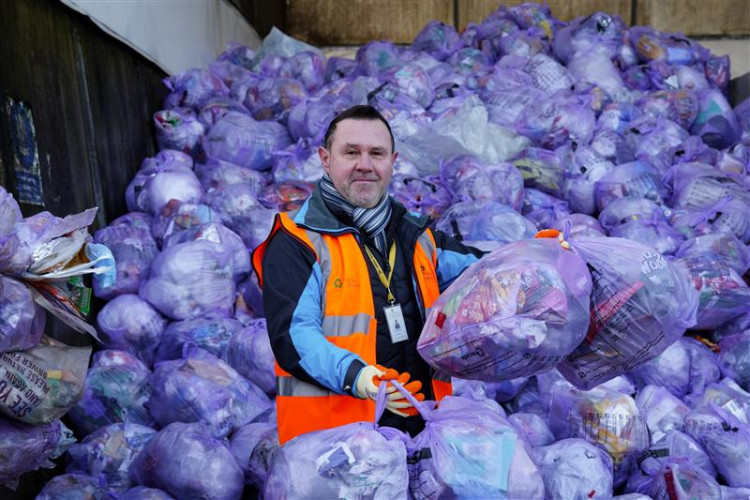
[315,215]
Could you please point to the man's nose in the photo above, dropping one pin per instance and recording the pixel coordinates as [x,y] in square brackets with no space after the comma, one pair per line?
[364,163]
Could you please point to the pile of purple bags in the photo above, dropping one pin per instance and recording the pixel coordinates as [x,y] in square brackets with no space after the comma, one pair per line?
[576,373]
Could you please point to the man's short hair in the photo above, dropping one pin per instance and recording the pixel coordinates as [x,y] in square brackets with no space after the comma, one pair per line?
[359,112]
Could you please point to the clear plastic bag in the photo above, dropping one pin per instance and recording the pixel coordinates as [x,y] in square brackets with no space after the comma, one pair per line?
[640,304]
[41,384]
[517,312]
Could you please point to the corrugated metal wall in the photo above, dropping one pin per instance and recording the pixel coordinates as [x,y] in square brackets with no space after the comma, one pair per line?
[353,22]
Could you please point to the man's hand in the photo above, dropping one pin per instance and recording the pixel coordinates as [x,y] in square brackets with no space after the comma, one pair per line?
[368,383]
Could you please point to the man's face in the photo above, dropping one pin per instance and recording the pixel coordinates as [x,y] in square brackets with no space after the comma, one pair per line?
[360,161]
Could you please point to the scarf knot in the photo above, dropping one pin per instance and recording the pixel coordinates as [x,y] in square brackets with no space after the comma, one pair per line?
[371,221]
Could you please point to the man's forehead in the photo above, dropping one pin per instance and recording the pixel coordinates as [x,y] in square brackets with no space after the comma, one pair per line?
[369,133]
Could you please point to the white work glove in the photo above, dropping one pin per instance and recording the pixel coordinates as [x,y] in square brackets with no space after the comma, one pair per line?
[368,385]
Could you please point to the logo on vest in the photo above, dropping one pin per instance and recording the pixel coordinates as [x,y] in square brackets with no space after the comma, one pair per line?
[337,283]
[348,283]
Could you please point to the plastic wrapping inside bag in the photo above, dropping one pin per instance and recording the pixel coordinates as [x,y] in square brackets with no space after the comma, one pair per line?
[532,428]
[673,445]
[358,460]
[129,323]
[630,180]
[654,231]
[575,469]
[467,450]
[516,312]
[21,321]
[186,462]
[41,384]
[729,215]
[208,332]
[133,248]
[724,295]
[307,66]
[286,196]
[253,447]
[625,210]
[640,304]
[599,31]
[542,209]
[562,117]
[542,170]
[482,221]
[179,129]
[109,452]
[176,216]
[437,39]
[216,174]
[73,485]
[662,411]
[716,123]
[192,88]
[469,179]
[118,387]
[579,225]
[249,352]
[190,279]
[25,447]
[202,388]
[601,416]
[220,234]
[677,478]
[240,211]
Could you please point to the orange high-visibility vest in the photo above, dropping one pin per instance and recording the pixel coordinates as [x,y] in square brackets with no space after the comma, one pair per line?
[348,321]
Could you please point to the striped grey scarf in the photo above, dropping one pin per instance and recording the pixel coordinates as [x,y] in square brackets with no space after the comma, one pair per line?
[371,221]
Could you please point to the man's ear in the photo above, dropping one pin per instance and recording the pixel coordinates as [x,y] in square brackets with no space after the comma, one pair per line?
[394,157]
[325,157]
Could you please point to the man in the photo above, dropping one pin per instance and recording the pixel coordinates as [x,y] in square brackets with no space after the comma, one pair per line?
[346,282]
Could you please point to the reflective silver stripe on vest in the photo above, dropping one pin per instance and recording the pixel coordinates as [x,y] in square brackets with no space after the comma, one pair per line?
[427,244]
[336,326]
[290,386]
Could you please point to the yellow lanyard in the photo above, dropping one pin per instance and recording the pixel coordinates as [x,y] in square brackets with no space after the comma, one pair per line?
[391,261]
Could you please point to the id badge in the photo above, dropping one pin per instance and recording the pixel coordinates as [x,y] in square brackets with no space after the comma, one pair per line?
[395,319]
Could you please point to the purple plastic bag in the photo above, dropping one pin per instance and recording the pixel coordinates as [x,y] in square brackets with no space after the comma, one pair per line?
[376,57]
[652,45]
[241,212]
[575,468]
[144,493]
[543,209]
[72,485]
[579,225]
[723,293]
[598,31]
[675,444]
[338,68]
[25,447]
[481,221]
[472,180]
[286,196]
[192,88]
[358,460]
[109,452]
[176,216]
[239,139]
[716,123]
[272,98]
[654,231]
[180,129]
[467,450]
[215,109]
[191,279]
[725,248]
[640,304]
[209,332]
[427,196]
[541,169]
[252,297]
[677,478]
[253,447]
[215,174]
[186,462]
[506,106]
[679,106]
[219,234]
[583,170]
[438,39]
[525,43]
[21,321]
[624,210]
[662,411]
[129,323]
[308,67]
[202,388]
[117,389]
[515,313]
[249,352]
[697,186]
[601,416]
[129,239]
[631,180]
[413,81]
[727,217]
[239,54]
[167,160]
[532,428]
[298,162]
[560,118]
[685,367]
[726,439]
[15,256]
[734,358]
